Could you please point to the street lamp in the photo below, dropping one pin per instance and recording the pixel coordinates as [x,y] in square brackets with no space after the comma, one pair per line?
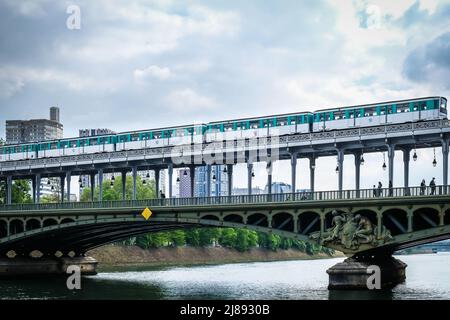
[384,166]
[434,160]
[214,178]
[337,168]
[225,169]
[253,174]
[362,159]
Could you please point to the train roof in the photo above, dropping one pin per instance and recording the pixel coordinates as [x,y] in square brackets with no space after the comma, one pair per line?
[380,103]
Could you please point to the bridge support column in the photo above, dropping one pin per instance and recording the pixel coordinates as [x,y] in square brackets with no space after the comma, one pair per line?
[100,185]
[124,185]
[293,172]
[391,155]
[269,177]
[62,181]
[312,169]
[45,266]
[357,172]
[208,180]
[33,188]
[69,180]
[340,158]
[192,177]
[230,178]
[445,164]
[37,188]
[353,273]
[134,173]
[406,154]
[157,187]
[249,177]
[92,177]
[170,174]
[9,190]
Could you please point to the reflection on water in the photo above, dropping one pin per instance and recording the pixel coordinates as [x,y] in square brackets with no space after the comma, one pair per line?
[428,277]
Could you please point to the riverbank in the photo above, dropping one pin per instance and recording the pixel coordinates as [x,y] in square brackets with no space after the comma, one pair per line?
[115,255]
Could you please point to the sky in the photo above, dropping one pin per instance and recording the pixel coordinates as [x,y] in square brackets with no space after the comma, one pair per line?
[144,64]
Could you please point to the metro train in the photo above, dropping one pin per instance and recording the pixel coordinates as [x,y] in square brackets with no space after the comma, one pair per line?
[421,109]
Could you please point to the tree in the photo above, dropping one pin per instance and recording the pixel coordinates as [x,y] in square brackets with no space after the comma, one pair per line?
[20,192]
[228,238]
[177,237]
[192,237]
[114,191]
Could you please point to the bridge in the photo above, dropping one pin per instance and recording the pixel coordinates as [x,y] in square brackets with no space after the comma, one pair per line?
[367,225]
[383,221]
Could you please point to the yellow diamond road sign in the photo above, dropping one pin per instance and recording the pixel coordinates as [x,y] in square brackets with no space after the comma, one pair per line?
[146,213]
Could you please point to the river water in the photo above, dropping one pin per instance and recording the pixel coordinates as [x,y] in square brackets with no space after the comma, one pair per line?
[428,277]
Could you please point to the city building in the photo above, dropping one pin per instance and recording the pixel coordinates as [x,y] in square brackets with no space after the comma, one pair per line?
[94,132]
[244,191]
[219,182]
[23,131]
[279,187]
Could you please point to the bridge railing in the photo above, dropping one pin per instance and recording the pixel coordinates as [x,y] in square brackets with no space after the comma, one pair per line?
[243,199]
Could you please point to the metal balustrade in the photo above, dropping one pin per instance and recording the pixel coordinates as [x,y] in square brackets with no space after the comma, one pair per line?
[362,194]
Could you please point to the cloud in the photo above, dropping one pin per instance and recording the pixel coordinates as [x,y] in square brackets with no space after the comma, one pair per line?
[187,100]
[430,63]
[151,72]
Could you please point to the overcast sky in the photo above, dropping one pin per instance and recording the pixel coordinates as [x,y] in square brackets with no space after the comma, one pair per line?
[143,64]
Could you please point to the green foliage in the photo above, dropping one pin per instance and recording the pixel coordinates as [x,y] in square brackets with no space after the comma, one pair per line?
[228,238]
[114,192]
[21,192]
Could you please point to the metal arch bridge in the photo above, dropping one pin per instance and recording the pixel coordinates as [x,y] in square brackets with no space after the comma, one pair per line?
[412,215]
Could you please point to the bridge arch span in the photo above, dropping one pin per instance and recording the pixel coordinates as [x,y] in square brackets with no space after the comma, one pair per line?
[425,217]
[32,224]
[258,219]
[308,221]
[395,220]
[234,217]
[283,220]
[16,226]
[49,222]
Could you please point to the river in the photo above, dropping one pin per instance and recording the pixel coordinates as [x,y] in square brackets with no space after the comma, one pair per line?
[428,277]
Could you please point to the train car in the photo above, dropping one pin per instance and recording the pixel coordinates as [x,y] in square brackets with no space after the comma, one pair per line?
[258,127]
[17,152]
[376,114]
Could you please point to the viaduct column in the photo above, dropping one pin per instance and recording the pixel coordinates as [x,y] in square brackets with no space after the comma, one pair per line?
[269,177]
[293,171]
[445,164]
[33,187]
[62,180]
[157,174]
[406,154]
[38,187]
[357,170]
[312,169]
[230,178]
[9,189]
[100,185]
[69,180]
[124,184]
[208,180]
[192,177]
[341,168]
[170,174]
[92,177]
[249,177]
[134,172]
[391,154]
